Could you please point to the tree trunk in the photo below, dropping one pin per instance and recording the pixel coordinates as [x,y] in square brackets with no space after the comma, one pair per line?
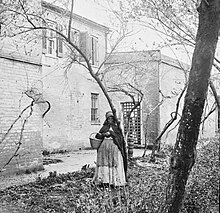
[184,153]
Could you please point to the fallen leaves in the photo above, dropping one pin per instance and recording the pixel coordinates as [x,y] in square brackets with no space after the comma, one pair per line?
[75,193]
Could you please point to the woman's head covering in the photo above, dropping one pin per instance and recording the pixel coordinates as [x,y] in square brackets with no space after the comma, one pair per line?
[109,114]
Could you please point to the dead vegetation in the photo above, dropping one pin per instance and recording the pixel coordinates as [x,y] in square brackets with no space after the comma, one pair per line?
[74,192]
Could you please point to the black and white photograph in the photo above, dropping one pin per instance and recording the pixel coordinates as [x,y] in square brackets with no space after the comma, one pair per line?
[109,106]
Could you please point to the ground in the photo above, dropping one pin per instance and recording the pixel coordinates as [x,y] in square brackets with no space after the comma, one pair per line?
[70,162]
[73,192]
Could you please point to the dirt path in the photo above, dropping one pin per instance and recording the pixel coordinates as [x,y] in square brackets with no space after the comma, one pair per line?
[70,162]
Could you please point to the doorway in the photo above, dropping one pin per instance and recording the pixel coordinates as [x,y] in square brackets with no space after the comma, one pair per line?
[135,121]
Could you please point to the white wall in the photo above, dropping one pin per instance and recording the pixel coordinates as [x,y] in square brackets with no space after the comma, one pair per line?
[68,125]
[172,82]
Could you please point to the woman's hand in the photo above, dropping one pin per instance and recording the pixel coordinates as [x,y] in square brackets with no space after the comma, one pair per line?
[107,134]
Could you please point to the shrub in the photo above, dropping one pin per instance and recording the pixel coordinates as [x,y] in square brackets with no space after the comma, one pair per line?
[202,192]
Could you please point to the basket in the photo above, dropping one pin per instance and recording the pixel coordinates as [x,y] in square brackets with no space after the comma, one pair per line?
[94,142]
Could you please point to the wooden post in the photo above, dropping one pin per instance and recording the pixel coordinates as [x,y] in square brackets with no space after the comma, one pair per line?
[130,147]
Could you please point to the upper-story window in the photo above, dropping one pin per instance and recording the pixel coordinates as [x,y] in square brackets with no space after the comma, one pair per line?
[74,38]
[52,43]
[94,51]
[89,47]
[59,50]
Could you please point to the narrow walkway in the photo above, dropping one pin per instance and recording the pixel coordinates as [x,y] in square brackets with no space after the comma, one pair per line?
[71,162]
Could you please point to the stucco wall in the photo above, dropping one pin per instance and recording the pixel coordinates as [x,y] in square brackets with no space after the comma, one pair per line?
[67,125]
[141,70]
[172,81]
[161,79]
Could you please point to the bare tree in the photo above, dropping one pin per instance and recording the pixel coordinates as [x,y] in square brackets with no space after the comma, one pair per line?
[126,76]
[168,124]
[184,153]
[21,20]
[176,25]
[136,96]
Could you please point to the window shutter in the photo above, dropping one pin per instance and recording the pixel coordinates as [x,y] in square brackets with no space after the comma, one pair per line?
[59,42]
[85,45]
[72,36]
[95,56]
[95,52]
[44,41]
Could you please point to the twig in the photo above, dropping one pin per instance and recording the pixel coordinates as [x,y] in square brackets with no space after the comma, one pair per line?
[21,136]
[5,135]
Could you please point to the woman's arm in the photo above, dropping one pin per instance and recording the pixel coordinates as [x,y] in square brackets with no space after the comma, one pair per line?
[102,135]
[99,135]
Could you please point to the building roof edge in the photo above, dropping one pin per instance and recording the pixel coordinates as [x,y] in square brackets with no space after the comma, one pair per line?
[77,17]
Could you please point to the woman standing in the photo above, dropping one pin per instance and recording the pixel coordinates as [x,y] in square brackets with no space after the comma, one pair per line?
[111,165]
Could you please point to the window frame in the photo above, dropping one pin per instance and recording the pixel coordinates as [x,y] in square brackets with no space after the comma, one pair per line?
[51,39]
[59,41]
[94,51]
[52,43]
[94,116]
[75,39]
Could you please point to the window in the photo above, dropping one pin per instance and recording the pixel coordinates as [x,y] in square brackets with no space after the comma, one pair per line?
[94,53]
[52,42]
[74,38]
[59,49]
[89,46]
[44,41]
[85,45]
[94,108]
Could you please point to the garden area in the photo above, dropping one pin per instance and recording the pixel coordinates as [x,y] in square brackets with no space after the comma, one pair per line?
[145,192]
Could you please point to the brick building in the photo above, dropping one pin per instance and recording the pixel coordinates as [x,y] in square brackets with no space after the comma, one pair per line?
[20,121]
[36,77]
